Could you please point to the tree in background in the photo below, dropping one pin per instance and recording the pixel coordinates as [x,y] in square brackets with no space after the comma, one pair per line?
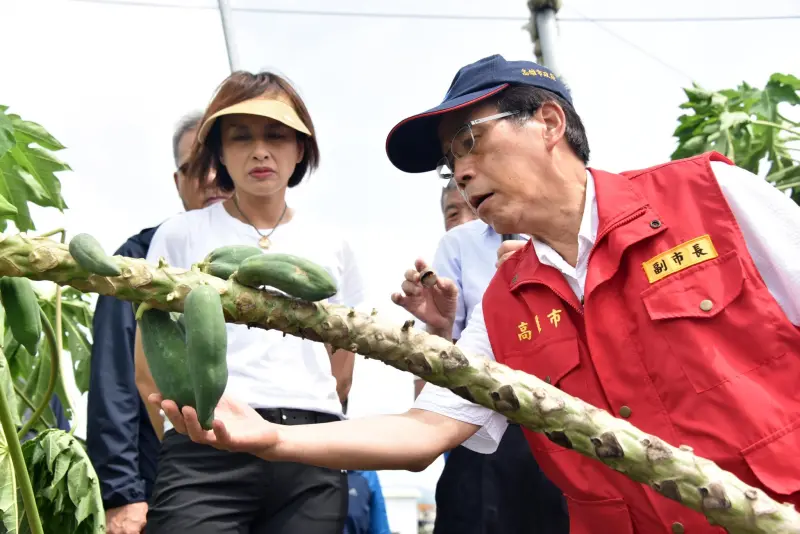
[748,125]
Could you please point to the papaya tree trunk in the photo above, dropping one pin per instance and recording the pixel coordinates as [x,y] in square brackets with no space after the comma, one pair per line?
[675,472]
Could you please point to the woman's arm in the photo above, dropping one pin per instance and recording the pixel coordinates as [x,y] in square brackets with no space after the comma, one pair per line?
[146,385]
[409,441]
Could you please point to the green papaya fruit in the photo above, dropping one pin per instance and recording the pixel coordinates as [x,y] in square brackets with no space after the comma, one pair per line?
[22,311]
[164,348]
[293,275]
[207,348]
[222,262]
[89,254]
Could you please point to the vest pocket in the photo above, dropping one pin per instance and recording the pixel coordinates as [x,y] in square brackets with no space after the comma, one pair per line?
[705,315]
[775,460]
[554,362]
[588,517]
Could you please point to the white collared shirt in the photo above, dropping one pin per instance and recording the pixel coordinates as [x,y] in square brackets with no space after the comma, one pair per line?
[768,220]
[587,235]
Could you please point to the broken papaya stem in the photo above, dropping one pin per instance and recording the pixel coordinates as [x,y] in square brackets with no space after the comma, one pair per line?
[143,307]
[675,472]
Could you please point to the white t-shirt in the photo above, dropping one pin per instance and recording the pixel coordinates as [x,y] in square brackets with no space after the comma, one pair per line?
[266,369]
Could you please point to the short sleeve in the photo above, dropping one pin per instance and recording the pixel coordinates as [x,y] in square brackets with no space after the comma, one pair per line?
[171,242]
[352,289]
[475,341]
[447,263]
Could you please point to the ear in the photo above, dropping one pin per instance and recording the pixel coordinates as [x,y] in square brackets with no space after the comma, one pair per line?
[555,123]
[301,151]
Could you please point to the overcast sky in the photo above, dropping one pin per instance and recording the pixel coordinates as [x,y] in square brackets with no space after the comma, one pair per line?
[110,79]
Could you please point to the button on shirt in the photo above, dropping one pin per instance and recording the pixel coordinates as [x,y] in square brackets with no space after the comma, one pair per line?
[769,222]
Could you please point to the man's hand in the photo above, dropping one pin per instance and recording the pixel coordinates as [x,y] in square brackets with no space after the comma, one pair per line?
[435,306]
[128,519]
[237,427]
[507,248]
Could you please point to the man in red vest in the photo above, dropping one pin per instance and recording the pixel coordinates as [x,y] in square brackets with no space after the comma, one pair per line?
[668,296]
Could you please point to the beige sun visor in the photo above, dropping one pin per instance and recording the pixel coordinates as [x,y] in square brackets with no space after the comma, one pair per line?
[264,106]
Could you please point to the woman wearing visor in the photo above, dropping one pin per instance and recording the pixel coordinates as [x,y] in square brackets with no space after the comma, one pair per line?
[257,135]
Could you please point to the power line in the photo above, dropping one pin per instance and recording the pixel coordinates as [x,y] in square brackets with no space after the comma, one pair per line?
[635,46]
[435,16]
[681,19]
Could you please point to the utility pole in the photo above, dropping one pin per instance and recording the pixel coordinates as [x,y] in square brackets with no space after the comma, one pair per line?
[227,31]
[544,32]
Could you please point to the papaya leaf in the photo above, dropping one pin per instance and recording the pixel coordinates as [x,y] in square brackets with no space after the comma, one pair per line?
[66,487]
[80,350]
[45,165]
[37,386]
[43,380]
[2,326]
[29,132]
[6,208]
[76,320]
[18,195]
[744,124]
[27,170]
[34,190]
[7,139]
[41,165]
[728,119]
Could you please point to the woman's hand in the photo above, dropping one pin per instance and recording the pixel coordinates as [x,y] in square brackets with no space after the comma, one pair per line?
[237,427]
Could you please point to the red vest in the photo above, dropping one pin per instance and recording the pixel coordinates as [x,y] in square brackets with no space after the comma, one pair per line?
[677,333]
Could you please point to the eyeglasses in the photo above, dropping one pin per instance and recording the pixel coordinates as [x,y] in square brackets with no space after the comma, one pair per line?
[462,144]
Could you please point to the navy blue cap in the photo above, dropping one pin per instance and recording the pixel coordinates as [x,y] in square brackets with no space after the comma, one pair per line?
[413,144]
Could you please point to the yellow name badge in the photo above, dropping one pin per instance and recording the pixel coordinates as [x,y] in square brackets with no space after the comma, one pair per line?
[678,258]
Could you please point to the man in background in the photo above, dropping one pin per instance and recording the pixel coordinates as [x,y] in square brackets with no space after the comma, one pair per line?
[456,212]
[504,491]
[121,441]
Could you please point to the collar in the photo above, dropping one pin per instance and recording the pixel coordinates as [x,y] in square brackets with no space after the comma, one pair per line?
[587,232]
[609,201]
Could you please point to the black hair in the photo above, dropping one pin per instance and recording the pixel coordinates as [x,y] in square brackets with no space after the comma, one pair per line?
[529,99]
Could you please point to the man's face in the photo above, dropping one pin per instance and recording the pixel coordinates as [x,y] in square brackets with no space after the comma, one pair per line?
[504,176]
[195,193]
[455,209]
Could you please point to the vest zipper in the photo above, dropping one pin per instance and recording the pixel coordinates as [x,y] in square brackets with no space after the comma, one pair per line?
[636,214]
[561,296]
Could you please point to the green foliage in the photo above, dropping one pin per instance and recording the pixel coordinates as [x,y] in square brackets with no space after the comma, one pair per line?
[27,171]
[76,318]
[10,510]
[748,125]
[65,484]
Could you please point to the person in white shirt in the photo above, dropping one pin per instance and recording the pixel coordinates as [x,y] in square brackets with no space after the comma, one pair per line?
[258,137]
[706,358]
[504,491]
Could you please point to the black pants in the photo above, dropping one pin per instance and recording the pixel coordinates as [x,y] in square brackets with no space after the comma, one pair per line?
[500,493]
[202,490]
